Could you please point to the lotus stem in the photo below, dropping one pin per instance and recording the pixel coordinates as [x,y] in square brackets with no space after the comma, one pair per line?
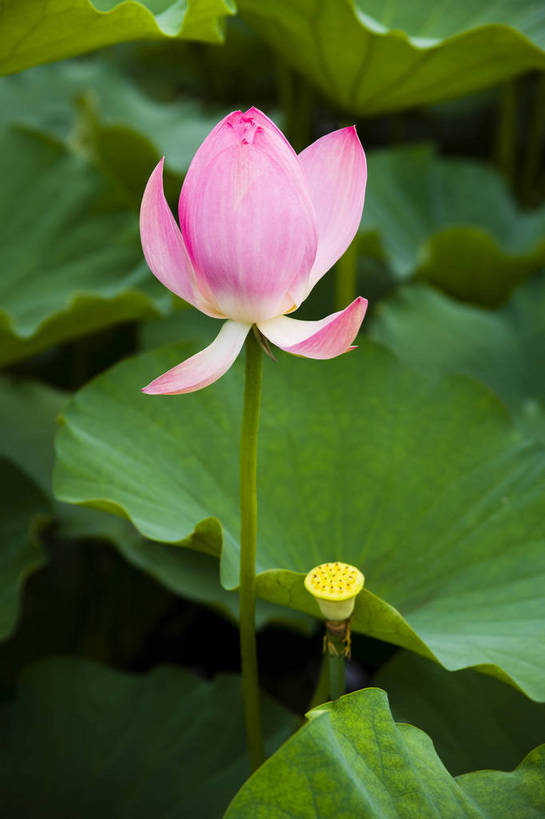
[532,154]
[506,147]
[296,99]
[337,647]
[321,692]
[248,540]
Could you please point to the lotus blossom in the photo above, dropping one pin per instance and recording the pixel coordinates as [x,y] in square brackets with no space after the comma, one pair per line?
[259,226]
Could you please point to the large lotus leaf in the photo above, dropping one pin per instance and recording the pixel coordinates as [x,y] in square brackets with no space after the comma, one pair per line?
[373,56]
[35,33]
[27,422]
[44,98]
[451,222]
[70,251]
[23,508]
[474,721]
[504,349]
[424,484]
[352,759]
[84,740]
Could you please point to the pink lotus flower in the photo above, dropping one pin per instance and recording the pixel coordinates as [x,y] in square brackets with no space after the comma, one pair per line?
[259,226]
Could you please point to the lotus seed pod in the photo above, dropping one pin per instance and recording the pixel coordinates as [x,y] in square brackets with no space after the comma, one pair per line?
[335,587]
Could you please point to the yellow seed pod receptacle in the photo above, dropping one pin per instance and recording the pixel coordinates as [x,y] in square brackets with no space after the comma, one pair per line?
[335,587]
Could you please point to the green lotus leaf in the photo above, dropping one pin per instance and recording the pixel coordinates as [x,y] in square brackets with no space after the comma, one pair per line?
[425,485]
[70,249]
[27,413]
[23,509]
[474,721]
[352,759]
[27,419]
[372,56]
[35,33]
[451,222]
[504,349]
[45,98]
[83,739]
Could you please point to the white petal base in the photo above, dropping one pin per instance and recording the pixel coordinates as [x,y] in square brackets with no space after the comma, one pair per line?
[205,367]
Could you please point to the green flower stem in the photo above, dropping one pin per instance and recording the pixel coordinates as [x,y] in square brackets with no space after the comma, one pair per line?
[296,98]
[532,154]
[337,676]
[346,271]
[321,692]
[506,145]
[336,653]
[248,538]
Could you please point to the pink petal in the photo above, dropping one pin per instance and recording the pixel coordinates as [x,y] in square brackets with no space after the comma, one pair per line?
[205,367]
[336,173]
[247,218]
[164,247]
[327,338]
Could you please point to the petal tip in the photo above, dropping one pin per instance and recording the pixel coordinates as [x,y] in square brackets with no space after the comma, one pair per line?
[327,338]
[360,300]
[158,170]
[204,367]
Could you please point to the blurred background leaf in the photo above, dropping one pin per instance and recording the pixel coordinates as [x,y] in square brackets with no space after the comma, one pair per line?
[23,508]
[48,98]
[81,737]
[70,248]
[372,57]
[450,222]
[35,33]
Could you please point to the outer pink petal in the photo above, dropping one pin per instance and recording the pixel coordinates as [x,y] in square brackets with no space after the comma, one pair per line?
[164,247]
[205,367]
[327,338]
[336,173]
[247,218]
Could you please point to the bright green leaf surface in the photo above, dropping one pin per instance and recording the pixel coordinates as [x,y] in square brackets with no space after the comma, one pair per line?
[426,486]
[474,721]
[84,740]
[70,252]
[22,508]
[504,349]
[39,32]
[374,56]
[451,222]
[351,759]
